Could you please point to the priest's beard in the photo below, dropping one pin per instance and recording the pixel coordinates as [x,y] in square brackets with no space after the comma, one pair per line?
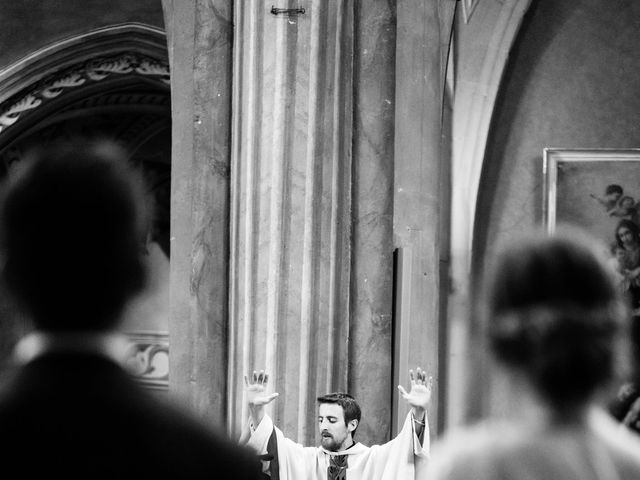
[332,443]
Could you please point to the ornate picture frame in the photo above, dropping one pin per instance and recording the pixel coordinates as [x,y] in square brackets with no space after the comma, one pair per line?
[574,177]
[599,191]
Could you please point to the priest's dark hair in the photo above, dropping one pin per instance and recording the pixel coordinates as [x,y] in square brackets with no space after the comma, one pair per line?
[349,406]
[72,219]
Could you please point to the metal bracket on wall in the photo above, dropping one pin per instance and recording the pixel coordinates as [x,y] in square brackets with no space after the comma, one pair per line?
[289,12]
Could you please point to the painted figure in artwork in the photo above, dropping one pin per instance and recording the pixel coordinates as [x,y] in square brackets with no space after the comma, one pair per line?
[627,208]
[609,200]
[627,255]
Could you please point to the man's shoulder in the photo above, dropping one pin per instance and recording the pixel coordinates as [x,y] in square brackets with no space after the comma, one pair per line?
[132,428]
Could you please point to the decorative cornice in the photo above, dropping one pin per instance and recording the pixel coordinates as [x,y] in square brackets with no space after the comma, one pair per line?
[148,358]
[103,42]
[91,71]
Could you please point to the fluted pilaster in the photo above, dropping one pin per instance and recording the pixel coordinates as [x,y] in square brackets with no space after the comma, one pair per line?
[290,206]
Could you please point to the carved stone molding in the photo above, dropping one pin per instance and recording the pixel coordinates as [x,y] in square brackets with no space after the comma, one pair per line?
[148,358]
[91,71]
[113,40]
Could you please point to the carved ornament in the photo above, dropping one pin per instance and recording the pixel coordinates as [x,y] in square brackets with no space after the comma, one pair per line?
[95,70]
[148,359]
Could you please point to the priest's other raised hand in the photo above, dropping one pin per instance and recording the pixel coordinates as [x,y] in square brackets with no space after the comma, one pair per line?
[419,397]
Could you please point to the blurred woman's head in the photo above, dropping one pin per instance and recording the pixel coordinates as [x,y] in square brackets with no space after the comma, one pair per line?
[555,315]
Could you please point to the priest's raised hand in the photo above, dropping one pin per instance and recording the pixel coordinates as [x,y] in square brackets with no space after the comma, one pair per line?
[256,395]
[419,397]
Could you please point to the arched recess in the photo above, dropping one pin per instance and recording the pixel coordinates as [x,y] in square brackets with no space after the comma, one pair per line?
[482,51]
[110,83]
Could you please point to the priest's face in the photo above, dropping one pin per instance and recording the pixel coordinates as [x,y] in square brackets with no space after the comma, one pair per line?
[335,434]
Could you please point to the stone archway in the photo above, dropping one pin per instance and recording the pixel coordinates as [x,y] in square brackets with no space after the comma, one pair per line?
[111,83]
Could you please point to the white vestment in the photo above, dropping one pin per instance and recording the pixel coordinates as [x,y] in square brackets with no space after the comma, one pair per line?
[402,458]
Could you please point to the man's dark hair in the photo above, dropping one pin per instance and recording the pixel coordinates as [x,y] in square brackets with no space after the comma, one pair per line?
[349,406]
[71,230]
[613,188]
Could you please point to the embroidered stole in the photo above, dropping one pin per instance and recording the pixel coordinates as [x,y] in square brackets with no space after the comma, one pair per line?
[337,467]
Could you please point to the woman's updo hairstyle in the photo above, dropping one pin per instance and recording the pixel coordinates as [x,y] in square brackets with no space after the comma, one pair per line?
[554,314]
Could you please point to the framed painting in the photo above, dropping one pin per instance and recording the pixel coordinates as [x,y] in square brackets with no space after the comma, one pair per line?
[598,190]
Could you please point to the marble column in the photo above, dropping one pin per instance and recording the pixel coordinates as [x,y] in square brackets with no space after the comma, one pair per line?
[199,39]
[290,207]
[421,205]
[370,353]
[308,194]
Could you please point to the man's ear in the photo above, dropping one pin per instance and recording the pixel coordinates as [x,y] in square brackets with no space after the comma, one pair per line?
[352,425]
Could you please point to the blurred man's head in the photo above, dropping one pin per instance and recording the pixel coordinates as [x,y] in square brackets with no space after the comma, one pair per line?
[71,229]
[338,418]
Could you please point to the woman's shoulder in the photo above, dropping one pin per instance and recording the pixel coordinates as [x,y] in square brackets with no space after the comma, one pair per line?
[621,444]
[478,448]
[620,440]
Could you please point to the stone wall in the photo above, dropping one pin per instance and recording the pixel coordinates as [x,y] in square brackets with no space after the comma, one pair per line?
[29,25]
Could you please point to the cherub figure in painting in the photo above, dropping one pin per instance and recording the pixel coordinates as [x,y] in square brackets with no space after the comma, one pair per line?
[612,195]
[627,208]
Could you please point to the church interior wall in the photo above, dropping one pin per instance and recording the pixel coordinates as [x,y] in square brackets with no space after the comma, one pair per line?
[49,43]
[56,20]
[572,82]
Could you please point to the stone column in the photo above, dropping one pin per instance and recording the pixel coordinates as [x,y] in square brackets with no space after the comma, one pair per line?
[199,41]
[290,206]
[421,206]
[370,353]
[310,236]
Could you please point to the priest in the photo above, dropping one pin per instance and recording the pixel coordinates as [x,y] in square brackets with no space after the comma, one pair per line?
[339,456]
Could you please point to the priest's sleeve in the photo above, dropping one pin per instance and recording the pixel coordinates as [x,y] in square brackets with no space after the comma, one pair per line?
[404,457]
[290,460]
